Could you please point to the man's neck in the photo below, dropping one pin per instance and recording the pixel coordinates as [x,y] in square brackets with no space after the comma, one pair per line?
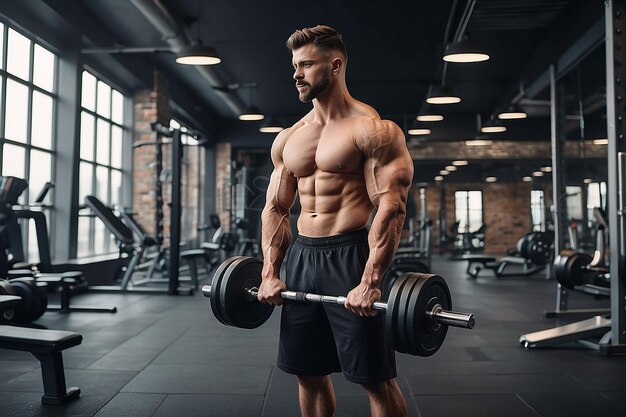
[334,104]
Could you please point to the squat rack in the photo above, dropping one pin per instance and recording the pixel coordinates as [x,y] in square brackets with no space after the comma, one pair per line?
[612,332]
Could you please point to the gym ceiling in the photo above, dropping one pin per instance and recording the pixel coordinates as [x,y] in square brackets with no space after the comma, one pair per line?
[395,49]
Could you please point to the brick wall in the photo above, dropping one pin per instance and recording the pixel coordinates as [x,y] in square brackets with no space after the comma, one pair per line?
[503,150]
[150,106]
[223,178]
[506,211]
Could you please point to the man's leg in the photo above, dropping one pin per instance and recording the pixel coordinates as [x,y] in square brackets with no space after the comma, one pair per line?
[316,395]
[386,399]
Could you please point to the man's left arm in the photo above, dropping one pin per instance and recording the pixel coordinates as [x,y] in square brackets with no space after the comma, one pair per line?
[388,171]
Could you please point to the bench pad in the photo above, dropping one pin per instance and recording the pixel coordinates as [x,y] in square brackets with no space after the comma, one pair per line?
[37,340]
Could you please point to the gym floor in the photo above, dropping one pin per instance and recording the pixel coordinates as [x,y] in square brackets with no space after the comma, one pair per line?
[167,356]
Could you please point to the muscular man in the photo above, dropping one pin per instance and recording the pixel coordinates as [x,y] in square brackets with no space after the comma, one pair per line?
[344,162]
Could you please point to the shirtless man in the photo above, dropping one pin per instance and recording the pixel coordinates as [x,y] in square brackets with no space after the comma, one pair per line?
[344,162]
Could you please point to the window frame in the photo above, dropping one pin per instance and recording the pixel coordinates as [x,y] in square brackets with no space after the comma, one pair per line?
[29,195]
[468,224]
[96,232]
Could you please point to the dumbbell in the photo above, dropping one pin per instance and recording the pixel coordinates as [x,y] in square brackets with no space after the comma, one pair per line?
[417,312]
[34,299]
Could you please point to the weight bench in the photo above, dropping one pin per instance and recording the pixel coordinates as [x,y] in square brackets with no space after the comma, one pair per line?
[477,263]
[46,346]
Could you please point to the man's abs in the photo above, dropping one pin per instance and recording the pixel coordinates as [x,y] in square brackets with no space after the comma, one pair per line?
[332,203]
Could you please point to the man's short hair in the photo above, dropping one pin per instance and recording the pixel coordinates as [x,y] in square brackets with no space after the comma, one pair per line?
[322,36]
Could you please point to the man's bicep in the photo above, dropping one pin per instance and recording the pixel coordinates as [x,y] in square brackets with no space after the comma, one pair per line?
[281,191]
[389,171]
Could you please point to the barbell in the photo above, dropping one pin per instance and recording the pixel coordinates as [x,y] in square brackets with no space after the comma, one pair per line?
[417,311]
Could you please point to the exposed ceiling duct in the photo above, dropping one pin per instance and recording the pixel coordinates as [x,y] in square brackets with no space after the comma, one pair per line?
[176,37]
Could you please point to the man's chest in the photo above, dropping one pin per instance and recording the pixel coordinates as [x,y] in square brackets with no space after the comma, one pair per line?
[330,150]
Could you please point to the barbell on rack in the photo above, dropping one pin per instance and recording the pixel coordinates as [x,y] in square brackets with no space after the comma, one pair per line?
[417,311]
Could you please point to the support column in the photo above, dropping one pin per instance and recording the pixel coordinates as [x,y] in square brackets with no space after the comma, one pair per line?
[616,155]
[557,109]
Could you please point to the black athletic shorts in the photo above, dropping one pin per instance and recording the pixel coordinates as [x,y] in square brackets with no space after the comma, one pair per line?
[318,339]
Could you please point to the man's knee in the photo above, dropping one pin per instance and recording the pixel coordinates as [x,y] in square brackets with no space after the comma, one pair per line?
[382,389]
[312,382]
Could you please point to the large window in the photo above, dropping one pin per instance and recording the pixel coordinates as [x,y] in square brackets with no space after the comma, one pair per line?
[574,202]
[27,107]
[538,210]
[596,197]
[468,209]
[100,169]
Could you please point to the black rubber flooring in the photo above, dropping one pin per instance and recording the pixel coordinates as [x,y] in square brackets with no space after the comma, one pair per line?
[167,356]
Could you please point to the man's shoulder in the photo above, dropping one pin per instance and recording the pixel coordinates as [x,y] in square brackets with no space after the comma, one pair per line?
[375,126]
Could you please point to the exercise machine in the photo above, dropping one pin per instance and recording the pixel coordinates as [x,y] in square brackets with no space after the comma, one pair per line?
[533,254]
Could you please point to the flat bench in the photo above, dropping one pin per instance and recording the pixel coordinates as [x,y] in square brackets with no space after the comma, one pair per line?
[46,346]
[482,261]
[477,263]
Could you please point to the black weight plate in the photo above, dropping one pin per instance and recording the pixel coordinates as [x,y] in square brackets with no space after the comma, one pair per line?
[570,270]
[560,267]
[215,289]
[42,290]
[239,309]
[7,289]
[388,282]
[29,308]
[221,305]
[427,336]
[539,248]
[404,299]
[521,244]
[391,315]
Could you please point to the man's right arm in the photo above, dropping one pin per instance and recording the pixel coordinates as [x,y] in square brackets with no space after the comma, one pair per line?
[276,230]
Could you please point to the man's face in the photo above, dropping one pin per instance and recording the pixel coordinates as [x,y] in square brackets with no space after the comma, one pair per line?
[312,70]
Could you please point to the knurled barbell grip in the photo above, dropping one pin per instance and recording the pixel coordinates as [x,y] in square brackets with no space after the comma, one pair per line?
[449,318]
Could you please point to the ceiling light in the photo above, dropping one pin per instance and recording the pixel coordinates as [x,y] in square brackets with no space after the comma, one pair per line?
[464,51]
[197,54]
[537,174]
[451,168]
[419,132]
[492,126]
[438,178]
[513,112]
[527,179]
[478,142]
[600,141]
[459,163]
[429,113]
[491,179]
[545,169]
[442,94]
[252,113]
[418,129]
[271,125]
[443,172]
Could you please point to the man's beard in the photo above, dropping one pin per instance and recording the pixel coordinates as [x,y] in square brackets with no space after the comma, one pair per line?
[315,90]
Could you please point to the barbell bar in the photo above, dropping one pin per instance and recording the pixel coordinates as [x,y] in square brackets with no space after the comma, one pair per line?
[438,314]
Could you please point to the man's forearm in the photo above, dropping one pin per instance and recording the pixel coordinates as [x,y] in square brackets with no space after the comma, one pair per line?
[275,239]
[384,238]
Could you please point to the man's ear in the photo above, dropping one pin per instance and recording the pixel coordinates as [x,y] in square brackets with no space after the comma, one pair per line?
[337,65]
